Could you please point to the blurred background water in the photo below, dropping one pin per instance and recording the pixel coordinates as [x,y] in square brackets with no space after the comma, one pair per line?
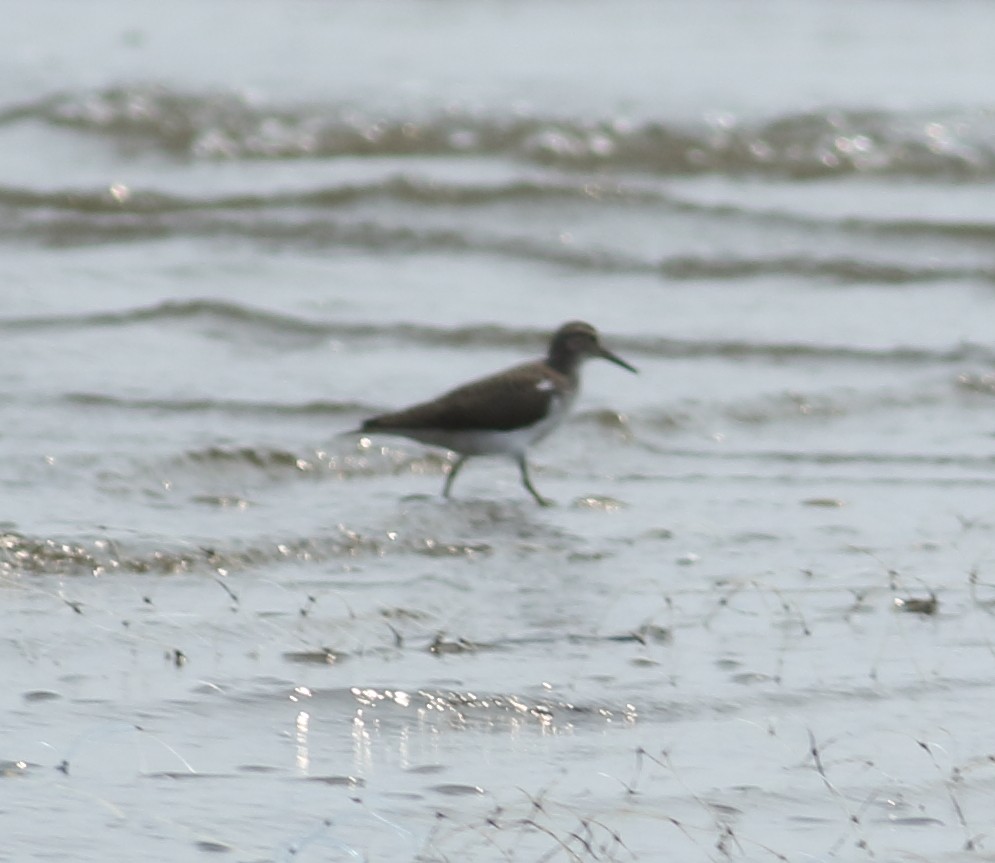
[758,623]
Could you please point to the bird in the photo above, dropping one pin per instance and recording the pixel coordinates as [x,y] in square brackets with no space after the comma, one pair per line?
[503,413]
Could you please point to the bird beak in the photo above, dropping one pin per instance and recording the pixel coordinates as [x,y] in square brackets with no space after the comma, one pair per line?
[608,355]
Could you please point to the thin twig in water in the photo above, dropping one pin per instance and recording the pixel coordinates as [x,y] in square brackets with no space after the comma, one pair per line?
[948,784]
[535,825]
[616,838]
[668,766]
[721,604]
[231,593]
[790,608]
[853,820]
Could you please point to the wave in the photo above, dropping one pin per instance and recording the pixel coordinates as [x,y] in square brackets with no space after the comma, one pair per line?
[796,407]
[20,554]
[399,187]
[828,142]
[977,469]
[168,311]
[131,205]
[239,319]
[326,231]
[348,457]
[977,383]
[212,405]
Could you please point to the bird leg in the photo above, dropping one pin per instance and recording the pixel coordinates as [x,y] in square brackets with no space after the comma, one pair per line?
[452,474]
[524,468]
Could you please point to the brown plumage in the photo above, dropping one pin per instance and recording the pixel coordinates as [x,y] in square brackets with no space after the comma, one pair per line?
[504,413]
[500,402]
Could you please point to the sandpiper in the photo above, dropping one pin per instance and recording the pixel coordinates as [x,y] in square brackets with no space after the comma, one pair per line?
[507,412]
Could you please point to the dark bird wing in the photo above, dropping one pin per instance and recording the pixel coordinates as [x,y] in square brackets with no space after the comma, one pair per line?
[513,399]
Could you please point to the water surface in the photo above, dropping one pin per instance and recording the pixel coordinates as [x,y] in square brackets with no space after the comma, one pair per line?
[757,623]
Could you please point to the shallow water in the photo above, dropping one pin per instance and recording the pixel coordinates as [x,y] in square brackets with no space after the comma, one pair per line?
[757,624]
